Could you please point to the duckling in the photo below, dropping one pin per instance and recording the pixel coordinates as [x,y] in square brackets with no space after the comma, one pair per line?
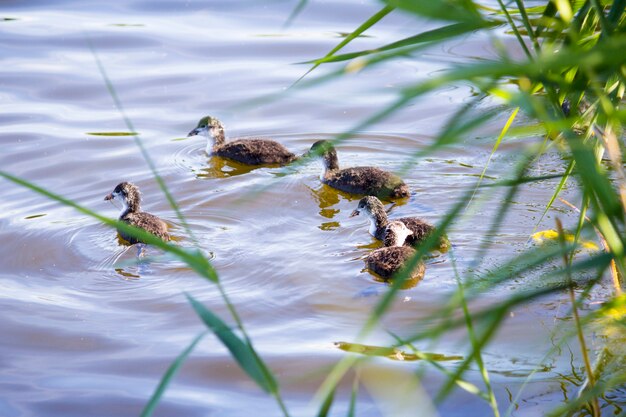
[247,151]
[357,180]
[387,261]
[375,211]
[131,214]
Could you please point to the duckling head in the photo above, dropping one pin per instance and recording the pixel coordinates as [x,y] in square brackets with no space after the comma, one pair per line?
[213,129]
[374,210]
[324,150]
[129,196]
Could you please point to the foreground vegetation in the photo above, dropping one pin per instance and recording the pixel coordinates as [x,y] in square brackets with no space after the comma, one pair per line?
[570,84]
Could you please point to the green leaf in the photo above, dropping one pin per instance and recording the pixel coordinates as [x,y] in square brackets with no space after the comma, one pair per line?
[358,31]
[242,351]
[393,353]
[168,376]
[328,402]
[435,35]
[458,10]
[194,259]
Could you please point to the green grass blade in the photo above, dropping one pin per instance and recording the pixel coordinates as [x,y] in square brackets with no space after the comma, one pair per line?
[617,11]
[473,340]
[241,351]
[519,37]
[327,404]
[295,12]
[430,36]
[464,385]
[144,152]
[527,24]
[501,136]
[358,31]
[458,10]
[168,376]
[548,13]
[557,191]
[194,259]
[353,394]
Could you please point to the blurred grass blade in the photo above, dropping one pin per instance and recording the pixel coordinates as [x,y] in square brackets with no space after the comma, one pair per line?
[327,404]
[501,136]
[435,35]
[295,12]
[194,259]
[458,10]
[476,347]
[354,393]
[144,152]
[241,351]
[616,12]
[358,31]
[168,376]
[555,194]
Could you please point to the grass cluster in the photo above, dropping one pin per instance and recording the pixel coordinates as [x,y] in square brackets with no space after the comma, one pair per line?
[570,83]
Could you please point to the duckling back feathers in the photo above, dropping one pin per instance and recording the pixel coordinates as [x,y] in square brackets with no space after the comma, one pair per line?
[255,152]
[357,180]
[247,151]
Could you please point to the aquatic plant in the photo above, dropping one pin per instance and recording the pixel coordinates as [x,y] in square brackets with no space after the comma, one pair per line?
[570,85]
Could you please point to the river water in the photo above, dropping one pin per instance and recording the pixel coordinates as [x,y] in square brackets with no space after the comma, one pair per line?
[86,331]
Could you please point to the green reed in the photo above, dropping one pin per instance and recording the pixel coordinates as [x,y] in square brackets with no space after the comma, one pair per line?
[572,50]
[574,54]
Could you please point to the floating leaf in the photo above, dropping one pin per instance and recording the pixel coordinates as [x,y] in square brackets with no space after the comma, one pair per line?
[112,133]
[393,353]
[552,236]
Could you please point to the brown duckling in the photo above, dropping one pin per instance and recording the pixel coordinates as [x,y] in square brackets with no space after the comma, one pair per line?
[247,151]
[128,194]
[357,180]
[375,212]
[387,261]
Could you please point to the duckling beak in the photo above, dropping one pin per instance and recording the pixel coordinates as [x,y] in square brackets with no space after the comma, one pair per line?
[355,213]
[108,197]
[194,132]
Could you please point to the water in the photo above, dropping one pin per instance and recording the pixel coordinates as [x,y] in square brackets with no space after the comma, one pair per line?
[85,331]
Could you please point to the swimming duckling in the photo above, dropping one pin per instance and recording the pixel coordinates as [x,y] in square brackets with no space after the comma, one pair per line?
[357,180]
[387,261]
[375,212]
[247,151]
[131,213]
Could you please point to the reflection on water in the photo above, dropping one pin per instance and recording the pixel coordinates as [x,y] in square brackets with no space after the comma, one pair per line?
[88,328]
[222,168]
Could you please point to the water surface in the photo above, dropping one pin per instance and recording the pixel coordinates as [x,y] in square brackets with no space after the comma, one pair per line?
[85,331]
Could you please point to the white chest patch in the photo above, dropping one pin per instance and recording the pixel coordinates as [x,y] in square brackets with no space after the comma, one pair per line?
[373,227]
[209,144]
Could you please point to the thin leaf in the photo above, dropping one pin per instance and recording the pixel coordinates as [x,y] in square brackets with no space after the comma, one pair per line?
[358,31]
[328,402]
[501,136]
[168,376]
[458,10]
[430,36]
[353,395]
[194,259]
[241,351]
[295,12]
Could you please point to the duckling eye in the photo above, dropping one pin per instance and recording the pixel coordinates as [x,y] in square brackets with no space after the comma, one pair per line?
[202,126]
